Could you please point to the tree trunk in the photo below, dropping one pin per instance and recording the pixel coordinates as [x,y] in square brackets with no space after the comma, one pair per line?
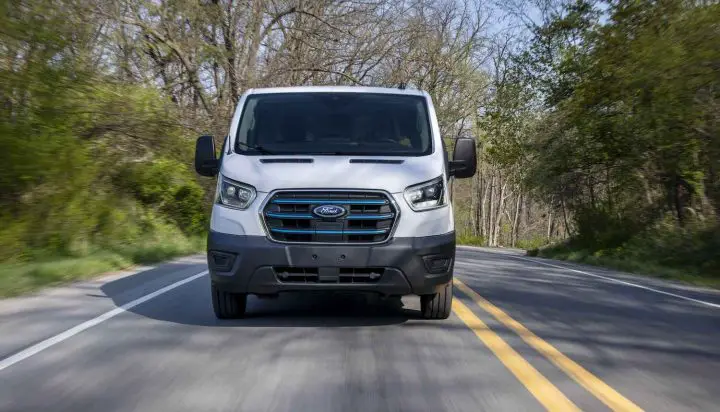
[491,210]
[550,225]
[479,206]
[567,227]
[499,212]
[485,208]
[253,32]
[608,184]
[230,53]
[516,219]
[474,200]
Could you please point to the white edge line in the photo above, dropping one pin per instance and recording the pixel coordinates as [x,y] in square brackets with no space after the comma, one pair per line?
[622,282]
[54,340]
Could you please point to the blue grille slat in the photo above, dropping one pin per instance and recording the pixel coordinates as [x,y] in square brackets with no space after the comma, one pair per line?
[289,215]
[308,216]
[331,232]
[370,217]
[285,201]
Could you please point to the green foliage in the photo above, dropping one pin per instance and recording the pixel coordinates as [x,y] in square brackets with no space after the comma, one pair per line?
[167,185]
[598,228]
[471,240]
[17,278]
[91,163]
[630,130]
[188,209]
[666,250]
[160,246]
[531,243]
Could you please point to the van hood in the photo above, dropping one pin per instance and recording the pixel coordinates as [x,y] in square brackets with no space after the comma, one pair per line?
[268,173]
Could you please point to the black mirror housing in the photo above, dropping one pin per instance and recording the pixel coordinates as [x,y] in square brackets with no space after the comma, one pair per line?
[464,163]
[206,162]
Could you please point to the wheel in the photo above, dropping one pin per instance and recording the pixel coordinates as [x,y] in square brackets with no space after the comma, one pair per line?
[438,305]
[228,305]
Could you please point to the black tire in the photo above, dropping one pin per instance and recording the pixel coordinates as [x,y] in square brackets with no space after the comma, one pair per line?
[438,305]
[228,305]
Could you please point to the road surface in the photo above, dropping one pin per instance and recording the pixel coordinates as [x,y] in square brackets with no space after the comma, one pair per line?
[525,335]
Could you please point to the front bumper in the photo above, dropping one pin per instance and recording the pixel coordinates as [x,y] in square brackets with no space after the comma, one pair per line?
[250,264]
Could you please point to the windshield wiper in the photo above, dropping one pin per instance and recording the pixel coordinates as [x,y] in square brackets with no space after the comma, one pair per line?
[257,148]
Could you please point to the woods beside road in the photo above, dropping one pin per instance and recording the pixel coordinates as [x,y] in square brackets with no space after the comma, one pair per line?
[598,122]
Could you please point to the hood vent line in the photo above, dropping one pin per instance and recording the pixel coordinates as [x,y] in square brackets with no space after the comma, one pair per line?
[285,160]
[378,161]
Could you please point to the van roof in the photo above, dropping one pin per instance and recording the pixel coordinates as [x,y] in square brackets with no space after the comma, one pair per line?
[336,89]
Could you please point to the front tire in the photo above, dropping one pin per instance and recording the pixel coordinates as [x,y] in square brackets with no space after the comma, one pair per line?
[228,305]
[438,305]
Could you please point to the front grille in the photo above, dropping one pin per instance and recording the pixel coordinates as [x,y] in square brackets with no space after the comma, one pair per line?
[369,217]
[286,274]
[297,275]
[360,275]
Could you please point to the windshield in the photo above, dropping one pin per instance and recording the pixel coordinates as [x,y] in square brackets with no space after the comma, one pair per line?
[334,124]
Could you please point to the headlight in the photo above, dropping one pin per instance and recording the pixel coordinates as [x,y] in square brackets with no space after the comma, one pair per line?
[426,196]
[234,194]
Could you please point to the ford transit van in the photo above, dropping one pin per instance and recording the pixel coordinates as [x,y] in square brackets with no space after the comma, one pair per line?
[333,189]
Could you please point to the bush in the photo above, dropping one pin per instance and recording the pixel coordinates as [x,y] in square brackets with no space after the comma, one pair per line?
[532,243]
[166,185]
[16,278]
[596,228]
[665,249]
[188,209]
[470,240]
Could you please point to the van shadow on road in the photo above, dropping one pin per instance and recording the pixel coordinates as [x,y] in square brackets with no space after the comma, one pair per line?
[191,305]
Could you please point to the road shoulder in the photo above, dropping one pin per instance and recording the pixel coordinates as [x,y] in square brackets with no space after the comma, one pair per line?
[26,320]
[601,274]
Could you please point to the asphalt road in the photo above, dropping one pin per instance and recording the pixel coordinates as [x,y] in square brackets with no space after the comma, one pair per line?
[525,335]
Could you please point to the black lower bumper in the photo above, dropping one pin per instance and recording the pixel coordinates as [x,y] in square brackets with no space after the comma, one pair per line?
[253,264]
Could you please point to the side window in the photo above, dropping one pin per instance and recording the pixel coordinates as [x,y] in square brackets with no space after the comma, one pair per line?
[247,129]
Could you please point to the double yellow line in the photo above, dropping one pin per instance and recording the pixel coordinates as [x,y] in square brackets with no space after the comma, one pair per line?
[543,390]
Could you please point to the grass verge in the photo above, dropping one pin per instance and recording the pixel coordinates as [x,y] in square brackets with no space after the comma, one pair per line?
[470,240]
[18,278]
[690,274]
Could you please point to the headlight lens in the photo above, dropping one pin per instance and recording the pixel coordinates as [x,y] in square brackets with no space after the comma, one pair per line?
[426,196]
[235,194]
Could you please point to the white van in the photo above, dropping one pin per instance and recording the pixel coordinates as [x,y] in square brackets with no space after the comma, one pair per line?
[333,188]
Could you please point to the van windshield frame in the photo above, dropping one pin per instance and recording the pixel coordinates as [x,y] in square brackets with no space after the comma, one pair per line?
[335,123]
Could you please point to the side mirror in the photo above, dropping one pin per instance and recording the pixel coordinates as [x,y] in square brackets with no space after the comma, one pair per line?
[464,163]
[206,162]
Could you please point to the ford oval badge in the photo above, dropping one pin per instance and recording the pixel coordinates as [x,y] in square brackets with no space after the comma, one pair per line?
[329,211]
